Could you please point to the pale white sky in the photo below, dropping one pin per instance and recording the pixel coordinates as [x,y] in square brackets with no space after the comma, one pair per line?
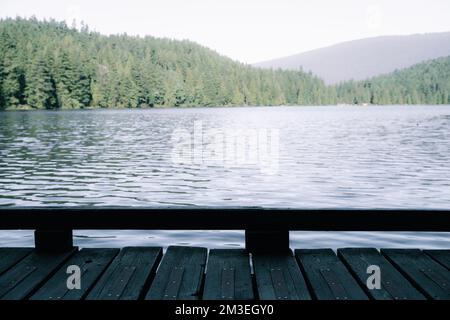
[247,30]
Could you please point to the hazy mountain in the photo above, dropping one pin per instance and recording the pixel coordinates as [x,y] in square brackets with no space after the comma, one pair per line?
[362,59]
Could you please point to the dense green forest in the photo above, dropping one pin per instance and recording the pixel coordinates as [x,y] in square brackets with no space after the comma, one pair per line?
[424,83]
[48,65]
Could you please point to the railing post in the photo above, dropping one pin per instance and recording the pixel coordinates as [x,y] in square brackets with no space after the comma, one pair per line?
[267,240]
[53,240]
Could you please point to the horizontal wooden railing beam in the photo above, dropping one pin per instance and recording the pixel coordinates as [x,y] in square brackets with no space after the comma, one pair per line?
[46,218]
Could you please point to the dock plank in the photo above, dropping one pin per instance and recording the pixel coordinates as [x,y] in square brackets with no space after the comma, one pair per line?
[430,277]
[327,275]
[21,281]
[393,285]
[441,256]
[128,275]
[180,274]
[92,263]
[228,275]
[10,256]
[278,277]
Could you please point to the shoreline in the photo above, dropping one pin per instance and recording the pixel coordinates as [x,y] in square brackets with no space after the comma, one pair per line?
[29,109]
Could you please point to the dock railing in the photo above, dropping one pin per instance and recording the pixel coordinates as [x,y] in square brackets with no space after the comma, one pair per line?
[265,229]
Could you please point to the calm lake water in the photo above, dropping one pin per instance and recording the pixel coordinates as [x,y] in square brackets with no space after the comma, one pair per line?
[303,157]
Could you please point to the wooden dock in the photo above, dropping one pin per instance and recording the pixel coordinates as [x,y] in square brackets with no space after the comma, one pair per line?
[267,269]
[193,273]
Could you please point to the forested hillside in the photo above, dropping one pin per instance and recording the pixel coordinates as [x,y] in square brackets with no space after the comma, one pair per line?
[49,65]
[424,83]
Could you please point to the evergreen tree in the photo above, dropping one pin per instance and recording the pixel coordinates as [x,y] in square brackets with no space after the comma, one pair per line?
[2,95]
[11,74]
[40,91]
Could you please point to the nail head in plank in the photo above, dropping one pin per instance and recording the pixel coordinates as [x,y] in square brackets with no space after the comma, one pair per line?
[334,283]
[279,277]
[327,276]
[10,256]
[37,268]
[174,283]
[441,256]
[192,260]
[128,275]
[119,286]
[279,284]
[430,277]
[227,283]
[91,261]
[228,275]
[394,286]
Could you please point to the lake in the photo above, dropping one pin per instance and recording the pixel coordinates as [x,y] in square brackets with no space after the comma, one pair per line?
[297,157]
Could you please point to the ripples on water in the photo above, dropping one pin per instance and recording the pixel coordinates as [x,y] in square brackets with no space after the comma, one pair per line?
[334,157]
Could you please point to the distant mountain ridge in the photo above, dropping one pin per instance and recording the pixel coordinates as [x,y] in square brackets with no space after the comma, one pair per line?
[366,58]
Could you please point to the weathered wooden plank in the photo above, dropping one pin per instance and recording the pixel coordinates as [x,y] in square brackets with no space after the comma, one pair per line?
[21,281]
[327,276]
[441,256]
[179,275]
[427,275]
[278,277]
[128,275]
[393,285]
[10,256]
[228,275]
[92,262]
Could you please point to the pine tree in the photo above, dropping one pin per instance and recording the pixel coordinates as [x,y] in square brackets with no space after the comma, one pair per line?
[11,73]
[65,81]
[2,96]
[40,91]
